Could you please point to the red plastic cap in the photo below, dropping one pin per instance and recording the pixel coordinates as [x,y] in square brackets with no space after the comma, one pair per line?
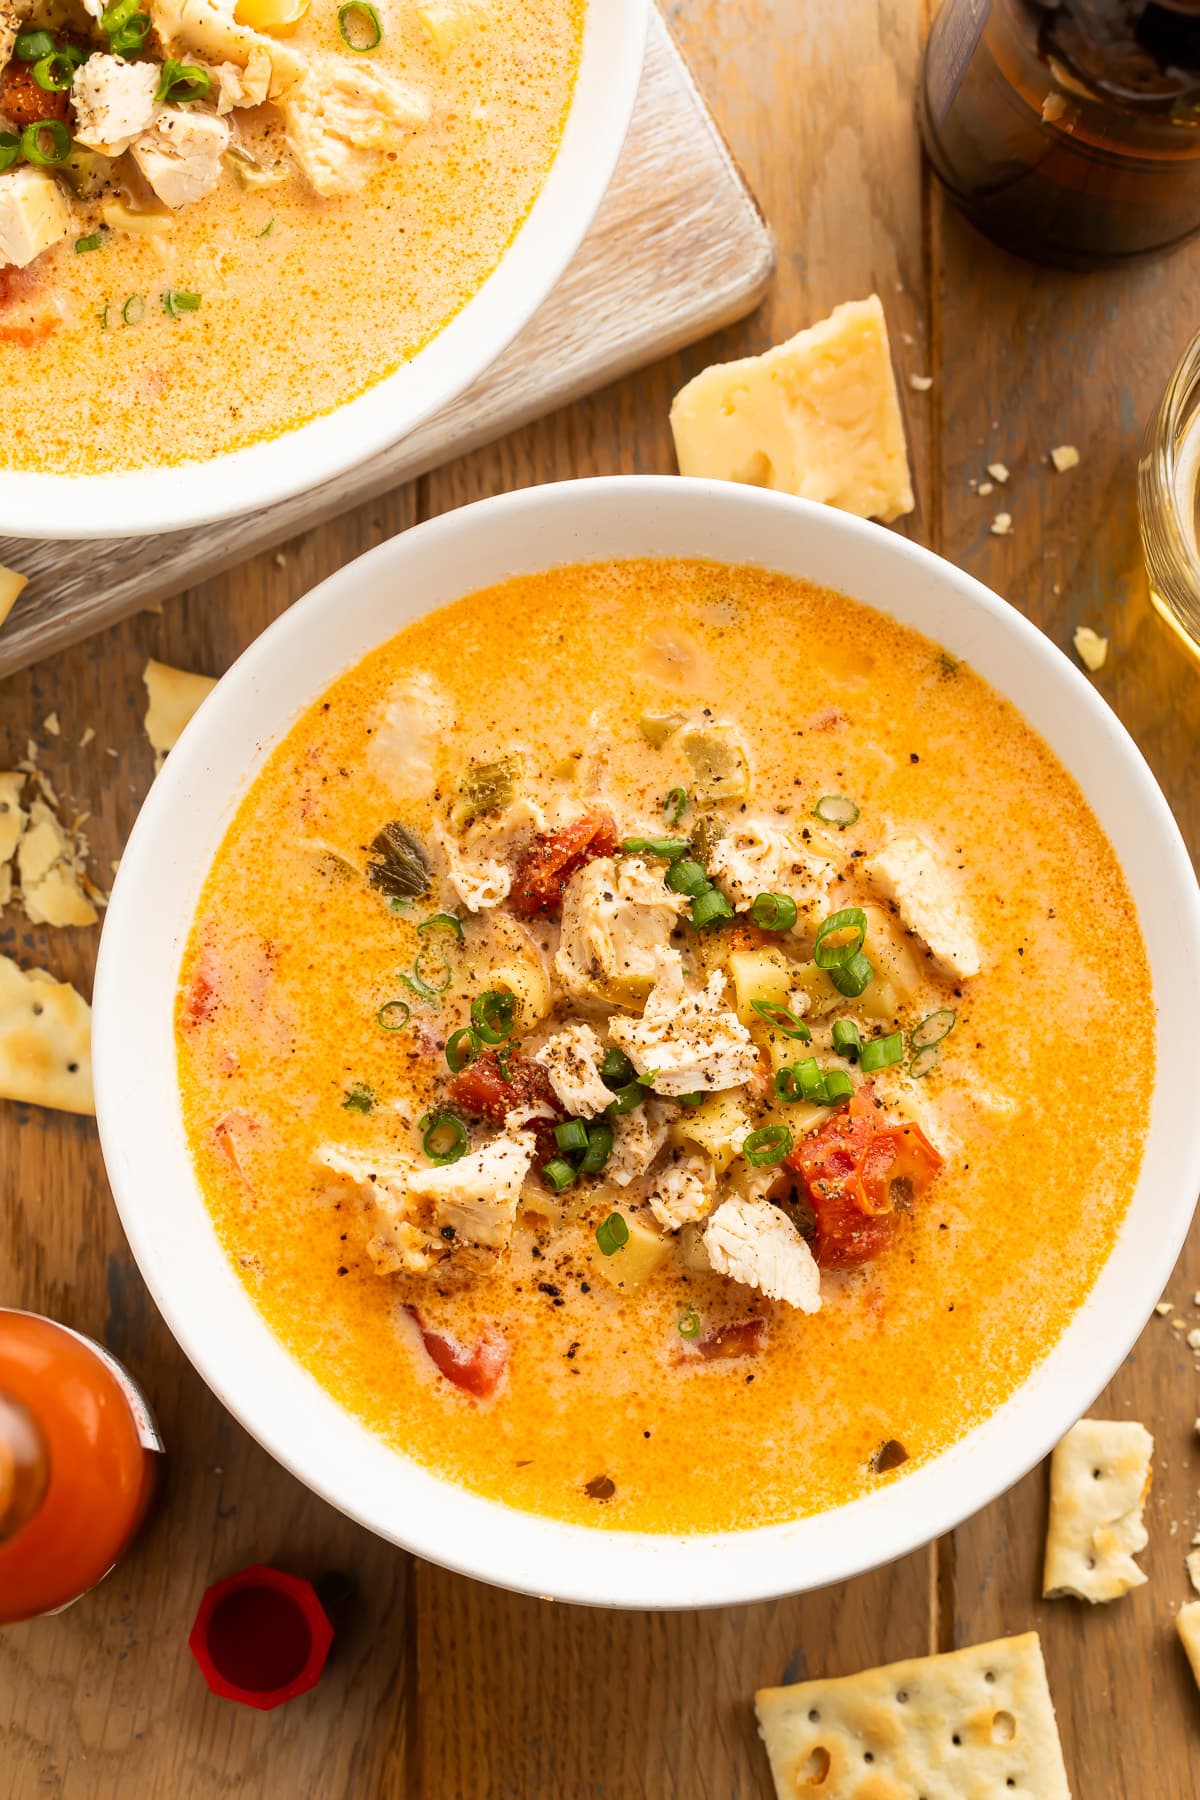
[261,1637]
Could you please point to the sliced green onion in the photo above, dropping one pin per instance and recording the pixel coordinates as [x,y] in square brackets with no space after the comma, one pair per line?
[599,1149]
[443,922]
[494,1014]
[558,1174]
[34,148]
[268,228]
[432,970]
[774,912]
[692,1100]
[710,909]
[502,1057]
[443,1136]
[925,1061]
[626,1099]
[92,241]
[134,310]
[359,25]
[787,1086]
[10,149]
[770,1145]
[835,955]
[689,1323]
[182,84]
[616,1070]
[359,1098]
[675,805]
[178,300]
[847,1039]
[836,809]
[648,1079]
[462,1047]
[55,72]
[670,848]
[399,904]
[127,28]
[688,877]
[810,1080]
[420,988]
[393,1015]
[611,1234]
[933,1028]
[838,1087]
[854,978]
[31,46]
[881,1053]
[571,1136]
[782,1020]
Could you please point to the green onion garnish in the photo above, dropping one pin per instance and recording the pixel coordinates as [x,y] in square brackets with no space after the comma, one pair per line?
[688,877]
[178,300]
[571,1136]
[600,1143]
[810,1080]
[432,970]
[611,1234]
[359,25]
[838,1087]
[847,1040]
[689,1323]
[420,988]
[359,1098]
[55,72]
[675,805]
[881,1053]
[268,228]
[616,1070]
[558,1174]
[443,922]
[134,309]
[933,1028]
[31,46]
[626,1099]
[840,937]
[770,1145]
[10,149]
[462,1047]
[787,1087]
[854,979]
[494,1014]
[925,1061]
[393,1015]
[182,84]
[670,848]
[836,809]
[782,1020]
[710,909]
[692,1100]
[34,146]
[443,1136]
[127,28]
[91,242]
[774,912]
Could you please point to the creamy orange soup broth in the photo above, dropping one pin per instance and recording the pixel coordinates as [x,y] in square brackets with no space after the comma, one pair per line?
[717,1340]
[344,229]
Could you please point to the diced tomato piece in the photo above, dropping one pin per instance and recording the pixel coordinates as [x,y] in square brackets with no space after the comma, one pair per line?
[550,862]
[846,1237]
[203,995]
[485,1090]
[24,102]
[27,316]
[743,1338]
[476,1368]
[856,1168]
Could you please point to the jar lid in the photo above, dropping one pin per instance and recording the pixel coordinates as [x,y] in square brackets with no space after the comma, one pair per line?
[261,1637]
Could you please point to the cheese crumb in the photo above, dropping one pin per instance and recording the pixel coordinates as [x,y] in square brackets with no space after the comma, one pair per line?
[998,471]
[922,383]
[1164,1307]
[1091,648]
[1002,525]
[1065,457]
[986,488]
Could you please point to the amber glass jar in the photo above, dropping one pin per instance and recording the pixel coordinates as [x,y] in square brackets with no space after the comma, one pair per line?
[1068,130]
[1169,499]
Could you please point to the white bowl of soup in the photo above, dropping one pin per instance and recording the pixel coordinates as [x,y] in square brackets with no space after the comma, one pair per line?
[250,246]
[646,1042]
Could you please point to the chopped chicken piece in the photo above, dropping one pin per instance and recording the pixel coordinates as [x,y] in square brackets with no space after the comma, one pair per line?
[12,17]
[339,117]
[754,1242]
[33,215]
[114,102]
[477,867]
[638,1137]
[617,921]
[405,732]
[209,28]
[683,1192]
[907,871]
[757,858]
[571,1058]
[686,1038]
[180,155]
[240,87]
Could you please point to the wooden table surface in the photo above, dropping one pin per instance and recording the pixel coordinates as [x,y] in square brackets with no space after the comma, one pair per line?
[439,1687]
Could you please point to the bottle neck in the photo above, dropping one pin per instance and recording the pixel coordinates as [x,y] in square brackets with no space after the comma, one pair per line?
[24,1467]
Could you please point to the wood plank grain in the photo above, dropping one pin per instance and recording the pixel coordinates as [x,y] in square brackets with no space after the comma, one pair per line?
[1083,360]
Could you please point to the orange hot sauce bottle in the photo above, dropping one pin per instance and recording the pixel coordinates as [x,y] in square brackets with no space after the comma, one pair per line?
[79,1459]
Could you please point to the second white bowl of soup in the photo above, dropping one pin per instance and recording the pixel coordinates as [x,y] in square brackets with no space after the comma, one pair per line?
[614,1042]
[235,259]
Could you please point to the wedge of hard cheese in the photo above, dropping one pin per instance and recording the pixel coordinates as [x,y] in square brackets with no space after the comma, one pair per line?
[818,416]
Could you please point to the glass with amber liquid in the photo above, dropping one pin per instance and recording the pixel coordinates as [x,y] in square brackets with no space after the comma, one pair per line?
[1068,130]
[1169,500]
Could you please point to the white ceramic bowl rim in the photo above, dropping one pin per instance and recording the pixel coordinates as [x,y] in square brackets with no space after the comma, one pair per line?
[140,502]
[157,886]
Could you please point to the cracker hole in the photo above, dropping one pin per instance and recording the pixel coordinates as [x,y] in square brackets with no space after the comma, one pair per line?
[989,1675]
[38,1009]
[902,1696]
[1004,1728]
[868,1756]
[813,1715]
[816,1770]
[956,1740]
[1011,1782]
[1095,1474]
[1090,1562]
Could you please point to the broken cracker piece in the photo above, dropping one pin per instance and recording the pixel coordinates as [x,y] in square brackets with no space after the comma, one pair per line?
[45,1040]
[998,471]
[1187,1624]
[13,817]
[976,1721]
[172,695]
[12,586]
[1099,1478]
[1064,457]
[48,865]
[1002,525]
[1192,1560]
[921,383]
[1090,647]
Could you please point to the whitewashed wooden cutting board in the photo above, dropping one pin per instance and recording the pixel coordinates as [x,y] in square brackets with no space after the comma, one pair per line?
[679,249]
